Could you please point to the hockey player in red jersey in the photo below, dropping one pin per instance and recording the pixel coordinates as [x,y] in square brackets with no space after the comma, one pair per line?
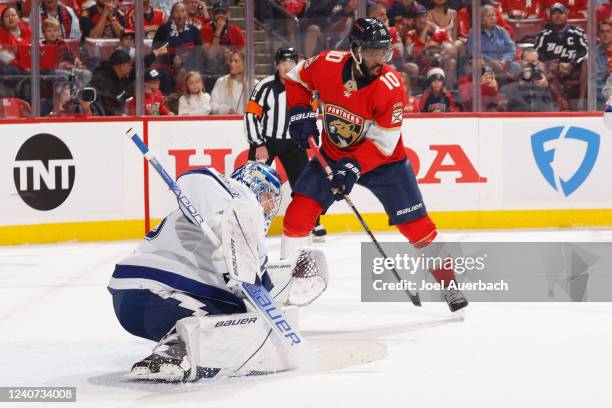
[362,100]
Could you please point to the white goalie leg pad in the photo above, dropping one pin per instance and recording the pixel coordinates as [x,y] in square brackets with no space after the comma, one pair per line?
[300,281]
[291,245]
[238,344]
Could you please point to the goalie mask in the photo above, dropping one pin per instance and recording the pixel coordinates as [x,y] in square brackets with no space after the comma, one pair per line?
[264,182]
[370,39]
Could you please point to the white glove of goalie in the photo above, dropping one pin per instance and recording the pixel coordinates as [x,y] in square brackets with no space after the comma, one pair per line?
[298,282]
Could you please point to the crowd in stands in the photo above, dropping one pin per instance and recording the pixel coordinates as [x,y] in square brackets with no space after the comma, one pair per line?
[534,53]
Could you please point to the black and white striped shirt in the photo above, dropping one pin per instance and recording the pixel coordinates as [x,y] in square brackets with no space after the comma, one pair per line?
[266,112]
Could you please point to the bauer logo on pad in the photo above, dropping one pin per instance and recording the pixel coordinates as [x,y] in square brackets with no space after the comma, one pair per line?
[565,156]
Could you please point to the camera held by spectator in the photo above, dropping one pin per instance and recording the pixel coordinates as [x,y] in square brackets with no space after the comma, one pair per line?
[530,73]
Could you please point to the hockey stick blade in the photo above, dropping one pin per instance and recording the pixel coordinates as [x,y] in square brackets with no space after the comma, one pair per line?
[414,297]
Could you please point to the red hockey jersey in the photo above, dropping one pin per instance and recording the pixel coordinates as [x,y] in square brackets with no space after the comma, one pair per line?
[361,120]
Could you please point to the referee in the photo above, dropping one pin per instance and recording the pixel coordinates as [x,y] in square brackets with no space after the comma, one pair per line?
[267,124]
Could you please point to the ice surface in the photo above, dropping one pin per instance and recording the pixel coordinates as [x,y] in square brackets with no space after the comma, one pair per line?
[57,327]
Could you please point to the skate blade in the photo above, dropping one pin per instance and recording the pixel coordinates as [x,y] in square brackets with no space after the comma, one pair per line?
[145,375]
[460,314]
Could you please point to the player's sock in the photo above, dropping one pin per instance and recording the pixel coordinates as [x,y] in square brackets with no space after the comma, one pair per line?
[291,245]
[300,217]
[421,232]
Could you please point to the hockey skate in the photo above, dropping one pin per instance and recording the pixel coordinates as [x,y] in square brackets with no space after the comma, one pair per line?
[157,367]
[455,299]
[319,233]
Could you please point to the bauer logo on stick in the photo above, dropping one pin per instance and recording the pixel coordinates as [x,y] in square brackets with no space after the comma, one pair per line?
[44,172]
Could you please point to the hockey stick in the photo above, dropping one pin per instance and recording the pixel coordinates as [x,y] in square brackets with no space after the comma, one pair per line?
[414,297]
[257,294]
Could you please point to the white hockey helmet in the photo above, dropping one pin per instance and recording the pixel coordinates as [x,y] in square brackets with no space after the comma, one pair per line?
[260,178]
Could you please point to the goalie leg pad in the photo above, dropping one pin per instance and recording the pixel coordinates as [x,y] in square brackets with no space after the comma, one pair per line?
[239,344]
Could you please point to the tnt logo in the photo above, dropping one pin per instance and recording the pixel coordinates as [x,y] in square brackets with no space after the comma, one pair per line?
[44,172]
[565,156]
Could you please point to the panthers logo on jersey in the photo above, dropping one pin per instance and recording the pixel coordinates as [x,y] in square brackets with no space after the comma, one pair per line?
[344,128]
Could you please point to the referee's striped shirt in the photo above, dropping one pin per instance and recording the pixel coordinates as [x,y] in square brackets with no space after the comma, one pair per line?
[266,113]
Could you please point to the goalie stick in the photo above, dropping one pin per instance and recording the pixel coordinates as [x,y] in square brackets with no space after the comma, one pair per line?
[256,293]
[414,297]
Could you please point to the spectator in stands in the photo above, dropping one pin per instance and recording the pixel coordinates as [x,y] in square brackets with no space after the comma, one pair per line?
[164,5]
[411,104]
[444,18]
[194,101]
[153,99]
[529,56]
[607,92]
[295,8]
[65,16]
[7,70]
[56,57]
[436,98]
[603,12]
[340,22]
[127,42]
[530,93]
[114,80]
[315,17]
[227,97]
[400,11]
[563,49]
[577,9]
[464,20]
[197,12]
[603,53]
[497,47]
[184,44]
[521,9]
[220,37]
[16,37]
[65,104]
[427,46]
[103,20]
[153,18]
[489,89]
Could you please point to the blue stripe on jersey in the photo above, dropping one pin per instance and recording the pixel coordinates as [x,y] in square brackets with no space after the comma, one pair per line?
[176,281]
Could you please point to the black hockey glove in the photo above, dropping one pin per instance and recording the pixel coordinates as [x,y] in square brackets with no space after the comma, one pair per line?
[302,124]
[344,178]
